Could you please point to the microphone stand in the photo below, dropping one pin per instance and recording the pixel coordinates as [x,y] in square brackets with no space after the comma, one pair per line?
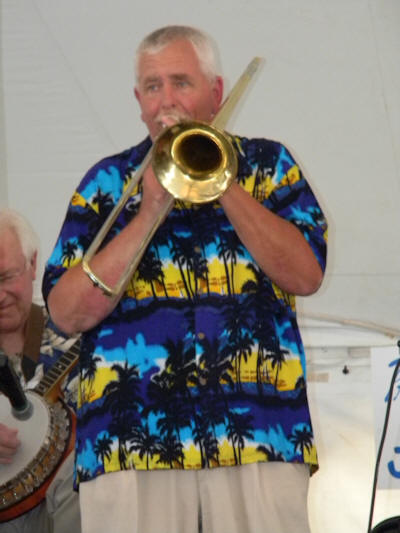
[21,407]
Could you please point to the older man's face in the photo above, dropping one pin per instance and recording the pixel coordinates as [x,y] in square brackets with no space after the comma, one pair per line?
[16,283]
[173,87]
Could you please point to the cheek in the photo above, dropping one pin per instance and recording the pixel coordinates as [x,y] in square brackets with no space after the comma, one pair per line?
[24,293]
[149,108]
[15,304]
[202,109]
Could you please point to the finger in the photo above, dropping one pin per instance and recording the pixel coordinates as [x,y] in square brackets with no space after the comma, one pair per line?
[5,460]
[7,453]
[9,438]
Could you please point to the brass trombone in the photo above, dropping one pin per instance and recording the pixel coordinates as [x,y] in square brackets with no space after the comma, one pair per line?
[193,161]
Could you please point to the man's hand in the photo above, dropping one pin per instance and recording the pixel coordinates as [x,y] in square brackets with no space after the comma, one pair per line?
[9,444]
[154,194]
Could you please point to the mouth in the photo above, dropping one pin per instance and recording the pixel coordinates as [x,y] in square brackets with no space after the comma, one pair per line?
[164,120]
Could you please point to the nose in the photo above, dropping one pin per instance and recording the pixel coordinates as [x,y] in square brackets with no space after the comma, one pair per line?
[168,97]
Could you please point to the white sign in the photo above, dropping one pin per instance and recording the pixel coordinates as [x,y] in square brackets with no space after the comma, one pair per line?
[383,364]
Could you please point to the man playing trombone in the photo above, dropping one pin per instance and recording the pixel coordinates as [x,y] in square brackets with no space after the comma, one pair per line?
[193,407]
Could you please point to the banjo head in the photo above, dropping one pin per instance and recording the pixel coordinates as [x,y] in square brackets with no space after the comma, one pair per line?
[31,433]
[44,440]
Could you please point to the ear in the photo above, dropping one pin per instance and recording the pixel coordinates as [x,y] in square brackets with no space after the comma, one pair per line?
[218,92]
[137,94]
[138,98]
[34,265]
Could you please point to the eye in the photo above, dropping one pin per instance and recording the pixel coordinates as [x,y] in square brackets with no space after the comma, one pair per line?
[152,87]
[7,278]
[182,84]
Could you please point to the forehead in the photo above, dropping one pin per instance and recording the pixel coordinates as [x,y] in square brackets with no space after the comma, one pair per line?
[176,58]
[11,253]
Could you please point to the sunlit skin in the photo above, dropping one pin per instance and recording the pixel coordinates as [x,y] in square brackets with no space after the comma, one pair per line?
[15,304]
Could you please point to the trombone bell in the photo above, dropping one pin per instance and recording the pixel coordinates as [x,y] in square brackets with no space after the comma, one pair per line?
[194,161]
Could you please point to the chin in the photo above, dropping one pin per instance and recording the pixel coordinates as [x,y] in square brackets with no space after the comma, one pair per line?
[10,324]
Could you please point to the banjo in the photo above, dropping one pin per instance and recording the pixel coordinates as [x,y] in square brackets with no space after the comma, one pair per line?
[47,436]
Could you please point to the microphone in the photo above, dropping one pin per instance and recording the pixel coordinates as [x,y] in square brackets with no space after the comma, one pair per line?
[10,385]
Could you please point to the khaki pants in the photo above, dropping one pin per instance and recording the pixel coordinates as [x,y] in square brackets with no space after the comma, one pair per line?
[255,498]
[62,502]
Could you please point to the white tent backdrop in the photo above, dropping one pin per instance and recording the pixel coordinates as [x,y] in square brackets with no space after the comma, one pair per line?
[328,90]
[345,424]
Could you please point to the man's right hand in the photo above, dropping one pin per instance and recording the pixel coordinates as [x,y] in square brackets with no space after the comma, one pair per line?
[155,196]
[9,444]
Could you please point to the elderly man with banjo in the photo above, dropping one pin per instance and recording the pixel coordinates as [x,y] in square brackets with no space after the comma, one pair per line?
[178,260]
[39,394]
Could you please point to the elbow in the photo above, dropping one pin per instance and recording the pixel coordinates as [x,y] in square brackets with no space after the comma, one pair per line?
[64,320]
[79,312]
[68,327]
[311,283]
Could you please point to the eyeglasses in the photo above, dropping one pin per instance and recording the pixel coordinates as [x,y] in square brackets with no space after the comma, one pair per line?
[7,280]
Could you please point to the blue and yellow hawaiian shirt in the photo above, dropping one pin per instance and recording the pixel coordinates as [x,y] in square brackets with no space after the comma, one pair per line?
[201,364]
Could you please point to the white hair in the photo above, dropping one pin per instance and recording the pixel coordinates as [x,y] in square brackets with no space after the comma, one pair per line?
[202,44]
[28,239]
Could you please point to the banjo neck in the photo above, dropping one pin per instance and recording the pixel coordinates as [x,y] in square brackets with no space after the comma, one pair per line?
[49,385]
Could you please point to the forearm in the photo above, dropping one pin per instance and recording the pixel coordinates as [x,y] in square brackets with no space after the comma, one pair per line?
[75,304]
[277,246]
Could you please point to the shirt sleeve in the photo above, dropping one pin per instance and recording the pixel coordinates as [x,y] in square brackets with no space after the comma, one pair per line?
[293,199]
[89,207]
[92,202]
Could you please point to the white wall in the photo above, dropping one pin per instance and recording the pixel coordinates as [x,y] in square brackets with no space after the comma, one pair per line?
[3,166]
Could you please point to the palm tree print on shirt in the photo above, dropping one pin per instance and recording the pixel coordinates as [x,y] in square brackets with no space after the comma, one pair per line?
[209,354]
